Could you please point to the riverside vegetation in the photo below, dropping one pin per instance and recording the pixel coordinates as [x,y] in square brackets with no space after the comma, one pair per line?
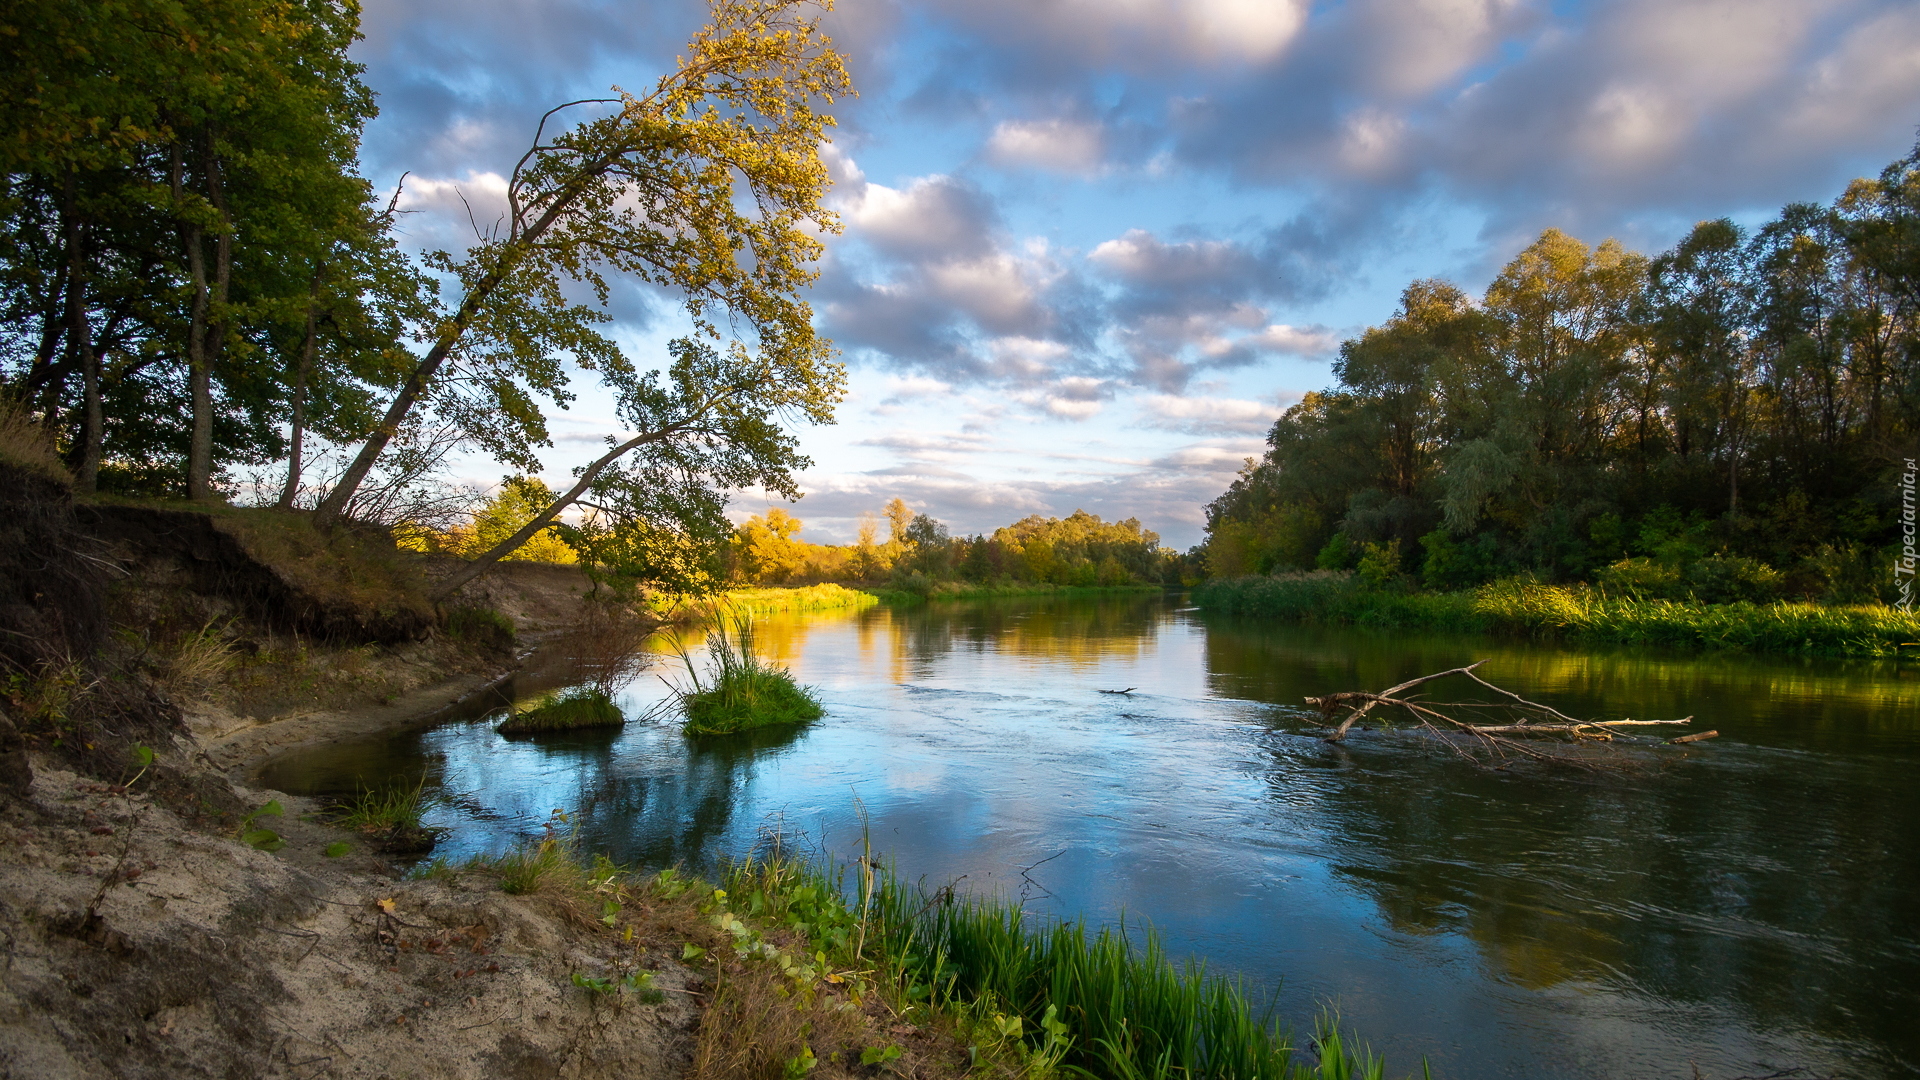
[1707,446]
[817,974]
[1573,612]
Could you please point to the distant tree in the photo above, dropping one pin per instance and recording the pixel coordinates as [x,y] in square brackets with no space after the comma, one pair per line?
[765,548]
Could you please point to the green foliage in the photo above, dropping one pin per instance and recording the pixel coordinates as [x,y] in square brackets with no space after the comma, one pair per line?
[1729,411]
[261,838]
[519,500]
[573,709]
[742,691]
[191,167]
[337,849]
[1337,554]
[1379,563]
[1528,607]
[1451,564]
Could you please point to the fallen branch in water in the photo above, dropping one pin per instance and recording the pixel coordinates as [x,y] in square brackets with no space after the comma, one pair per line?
[1521,717]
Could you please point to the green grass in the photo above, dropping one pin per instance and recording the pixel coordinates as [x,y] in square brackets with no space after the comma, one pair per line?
[1109,1004]
[1572,612]
[742,691]
[580,707]
[390,817]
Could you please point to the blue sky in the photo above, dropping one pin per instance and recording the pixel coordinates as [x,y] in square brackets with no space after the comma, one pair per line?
[1094,247]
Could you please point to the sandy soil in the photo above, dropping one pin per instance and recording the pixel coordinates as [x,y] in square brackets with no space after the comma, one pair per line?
[146,940]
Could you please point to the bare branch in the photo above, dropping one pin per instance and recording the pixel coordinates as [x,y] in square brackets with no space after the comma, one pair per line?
[1495,739]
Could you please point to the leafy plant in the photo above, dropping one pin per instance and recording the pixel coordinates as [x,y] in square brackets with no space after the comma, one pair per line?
[260,838]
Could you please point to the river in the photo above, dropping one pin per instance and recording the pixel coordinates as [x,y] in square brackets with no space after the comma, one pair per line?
[1738,907]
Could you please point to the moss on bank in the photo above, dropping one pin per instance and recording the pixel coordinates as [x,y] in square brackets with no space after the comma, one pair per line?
[1572,612]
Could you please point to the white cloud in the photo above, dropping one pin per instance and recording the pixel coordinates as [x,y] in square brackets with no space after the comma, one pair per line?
[1207,414]
[1294,340]
[1070,146]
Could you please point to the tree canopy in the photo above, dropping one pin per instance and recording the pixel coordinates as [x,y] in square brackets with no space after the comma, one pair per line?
[1722,420]
[198,284]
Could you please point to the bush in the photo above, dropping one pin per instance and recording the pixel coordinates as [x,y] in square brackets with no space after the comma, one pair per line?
[580,707]
[1641,579]
[1727,579]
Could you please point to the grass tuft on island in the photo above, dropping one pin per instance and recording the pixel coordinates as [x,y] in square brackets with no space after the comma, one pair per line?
[1528,608]
[570,710]
[742,691]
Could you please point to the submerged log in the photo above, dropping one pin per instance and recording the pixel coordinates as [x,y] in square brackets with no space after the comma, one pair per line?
[1497,725]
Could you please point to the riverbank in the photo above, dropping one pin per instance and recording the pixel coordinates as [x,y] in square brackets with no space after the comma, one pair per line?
[168,915]
[1573,613]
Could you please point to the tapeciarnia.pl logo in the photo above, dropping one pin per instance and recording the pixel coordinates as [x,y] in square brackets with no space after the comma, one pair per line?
[1903,567]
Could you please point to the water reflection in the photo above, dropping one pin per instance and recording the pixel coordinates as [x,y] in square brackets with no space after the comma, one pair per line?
[1742,907]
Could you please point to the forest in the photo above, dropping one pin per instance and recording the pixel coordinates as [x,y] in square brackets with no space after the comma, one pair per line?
[1728,420]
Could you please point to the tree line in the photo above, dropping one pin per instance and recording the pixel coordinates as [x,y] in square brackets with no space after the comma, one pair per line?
[1725,420]
[198,286]
[919,553]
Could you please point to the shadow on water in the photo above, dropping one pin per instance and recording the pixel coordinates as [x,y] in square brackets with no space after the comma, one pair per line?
[1739,907]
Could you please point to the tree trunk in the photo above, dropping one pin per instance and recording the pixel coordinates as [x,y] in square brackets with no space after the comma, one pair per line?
[527,532]
[213,331]
[309,344]
[93,421]
[335,504]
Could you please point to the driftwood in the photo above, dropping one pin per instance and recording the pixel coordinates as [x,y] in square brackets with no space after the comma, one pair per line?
[1520,717]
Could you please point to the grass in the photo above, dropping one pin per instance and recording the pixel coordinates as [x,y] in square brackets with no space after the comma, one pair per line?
[827,597]
[1573,612]
[198,660]
[481,626]
[742,691]
[25,443]
[353,571]
[389,816]
[1121,1008]
[579,707]
[811,978]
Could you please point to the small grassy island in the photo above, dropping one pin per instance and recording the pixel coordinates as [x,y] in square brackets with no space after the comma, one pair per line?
[569,710]
[742,691]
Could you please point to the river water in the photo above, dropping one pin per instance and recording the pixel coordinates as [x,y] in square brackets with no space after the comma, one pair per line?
[1739,907]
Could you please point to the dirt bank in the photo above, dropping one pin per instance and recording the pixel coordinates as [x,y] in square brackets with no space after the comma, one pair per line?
[161,918]
[143,938]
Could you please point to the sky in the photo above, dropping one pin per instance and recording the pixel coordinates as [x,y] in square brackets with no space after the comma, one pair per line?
[1094,248]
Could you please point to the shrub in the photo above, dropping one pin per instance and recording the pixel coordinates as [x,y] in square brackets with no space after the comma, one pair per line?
[1641,579]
